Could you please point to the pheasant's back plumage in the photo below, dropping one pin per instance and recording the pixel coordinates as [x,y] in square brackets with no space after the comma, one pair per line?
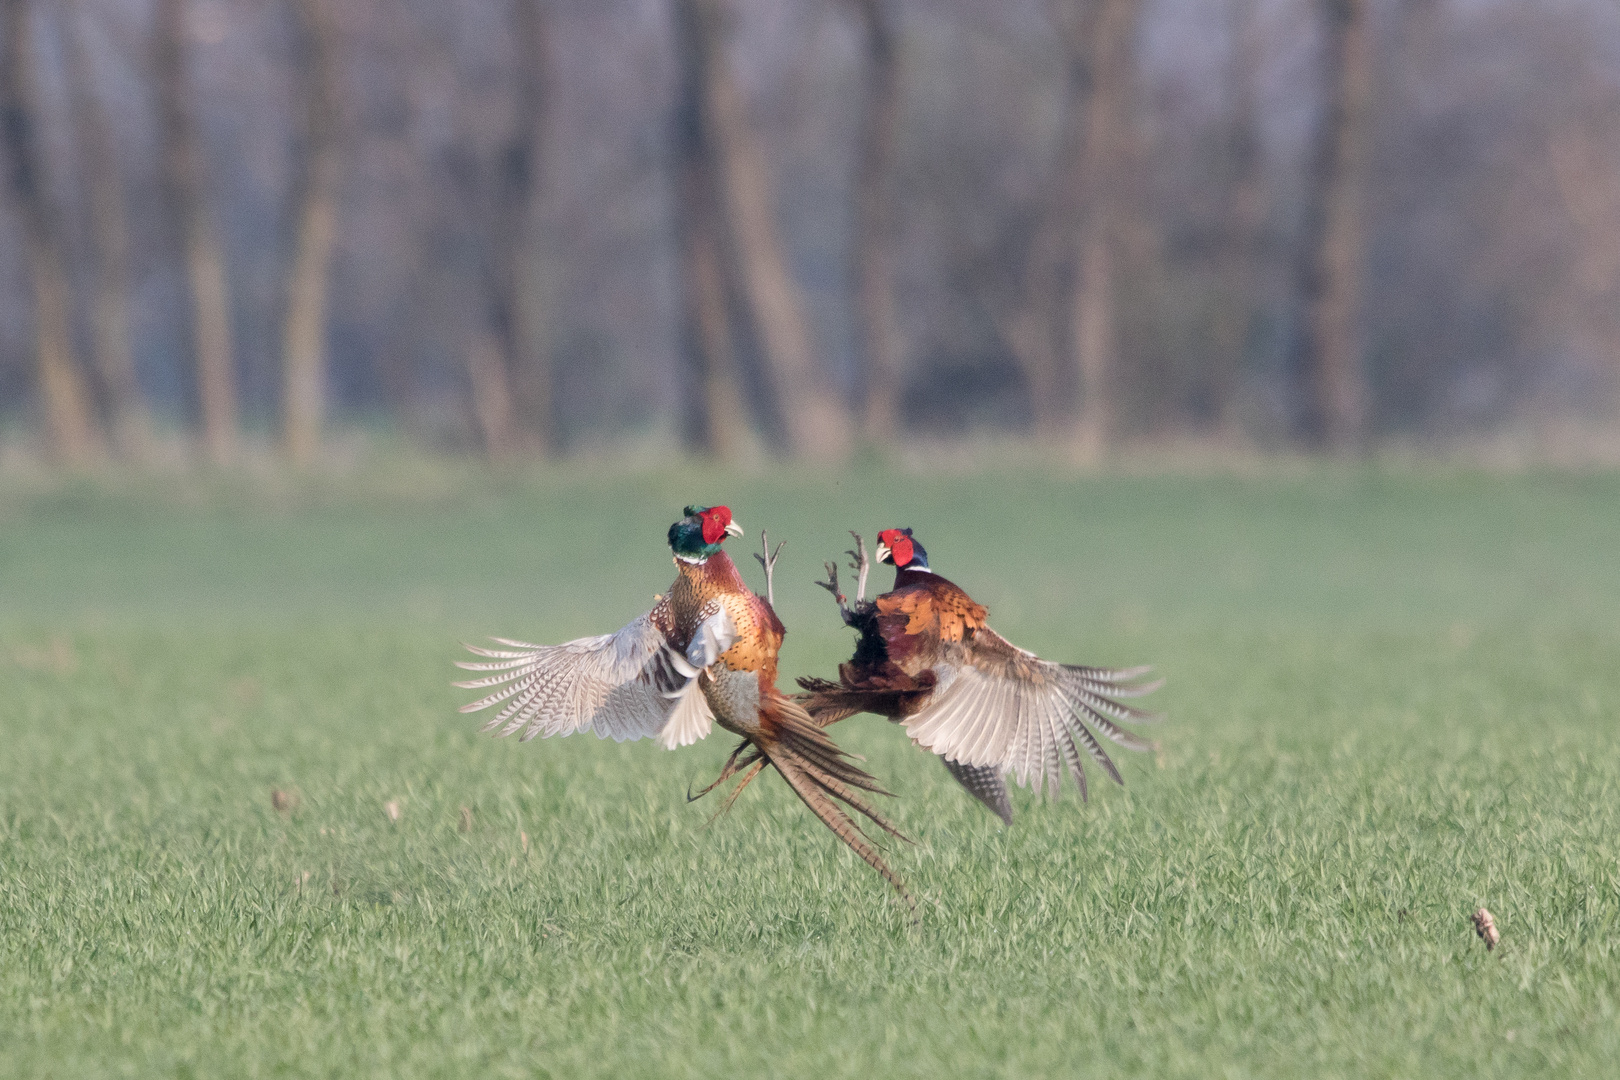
[916,618]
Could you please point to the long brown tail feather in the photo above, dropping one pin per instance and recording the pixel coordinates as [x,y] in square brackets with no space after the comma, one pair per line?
[794,727]
[843,794]
[822,775]
[828,716]
[814,796]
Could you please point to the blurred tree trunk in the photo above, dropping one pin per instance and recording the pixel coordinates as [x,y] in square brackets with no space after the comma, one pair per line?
[71,431]
[1586,173]
[1332,250]
[397,159]
[185,175]
[1032,324]
[1109,49]
[813,421]
[109,232]
[715,419]
[491,394]
[505,355]
[303,333]
[1239,259]
[1061,327]
[530,357]
[882,347]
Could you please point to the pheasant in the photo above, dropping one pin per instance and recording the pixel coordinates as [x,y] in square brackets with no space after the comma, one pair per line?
[705,654]
[927,658]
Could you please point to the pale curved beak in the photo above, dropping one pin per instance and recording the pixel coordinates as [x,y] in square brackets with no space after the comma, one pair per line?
[882,552]
[734,529]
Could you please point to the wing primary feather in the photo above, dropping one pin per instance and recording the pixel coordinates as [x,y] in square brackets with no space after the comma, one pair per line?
[1053,755]
[1096,750]
[609,684]
[495,654]
[1113,732]
[1071,757]
[500,695]
[1116,690]
[501,665]
[532,647]
[1109,675]
[1098,703]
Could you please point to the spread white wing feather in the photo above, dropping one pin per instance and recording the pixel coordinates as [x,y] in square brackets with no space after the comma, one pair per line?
[616,685]
[996,705]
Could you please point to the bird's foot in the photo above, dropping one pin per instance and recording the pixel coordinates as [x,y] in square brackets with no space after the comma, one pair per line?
[734,763]
[768,561]
[859,564]
[831,585]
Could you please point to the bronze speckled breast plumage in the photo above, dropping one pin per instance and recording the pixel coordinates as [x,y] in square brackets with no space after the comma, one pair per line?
[701,588]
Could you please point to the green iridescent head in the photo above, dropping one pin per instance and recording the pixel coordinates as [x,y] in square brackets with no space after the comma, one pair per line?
[701,532]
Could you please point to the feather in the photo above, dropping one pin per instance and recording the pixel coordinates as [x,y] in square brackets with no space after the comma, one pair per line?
[691,719]
[612,684]
[984,783]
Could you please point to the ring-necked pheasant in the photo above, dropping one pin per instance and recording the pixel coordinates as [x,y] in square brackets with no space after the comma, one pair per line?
[705,654]
[926,658]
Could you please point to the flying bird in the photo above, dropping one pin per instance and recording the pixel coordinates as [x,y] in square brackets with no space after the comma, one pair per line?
[926,658]
[705,654]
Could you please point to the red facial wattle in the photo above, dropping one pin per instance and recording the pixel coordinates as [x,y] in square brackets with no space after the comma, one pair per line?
[899,545]
[715,520]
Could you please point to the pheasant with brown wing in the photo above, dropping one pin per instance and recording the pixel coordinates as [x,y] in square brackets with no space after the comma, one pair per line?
[927,659]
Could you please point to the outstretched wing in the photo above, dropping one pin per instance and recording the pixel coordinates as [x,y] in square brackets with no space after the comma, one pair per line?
[621,686]
[996,705]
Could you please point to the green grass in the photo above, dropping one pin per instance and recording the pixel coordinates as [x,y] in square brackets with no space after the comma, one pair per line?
[1393,698]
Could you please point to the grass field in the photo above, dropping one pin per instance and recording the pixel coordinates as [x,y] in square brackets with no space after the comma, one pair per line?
[1392,698]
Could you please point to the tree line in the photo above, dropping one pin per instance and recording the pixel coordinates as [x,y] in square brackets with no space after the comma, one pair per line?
[1078,219]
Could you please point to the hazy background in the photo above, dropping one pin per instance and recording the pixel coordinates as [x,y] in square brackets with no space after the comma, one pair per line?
[540,227]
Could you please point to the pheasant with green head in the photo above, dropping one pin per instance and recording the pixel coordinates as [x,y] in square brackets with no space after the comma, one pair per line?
[705,654]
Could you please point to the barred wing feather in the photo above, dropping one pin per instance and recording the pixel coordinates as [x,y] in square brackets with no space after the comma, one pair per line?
[1002,707]
[614,684]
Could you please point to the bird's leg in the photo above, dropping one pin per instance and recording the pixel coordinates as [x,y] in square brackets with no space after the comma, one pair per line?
[859,564]
[768,561]
[730,770]
[736,791]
